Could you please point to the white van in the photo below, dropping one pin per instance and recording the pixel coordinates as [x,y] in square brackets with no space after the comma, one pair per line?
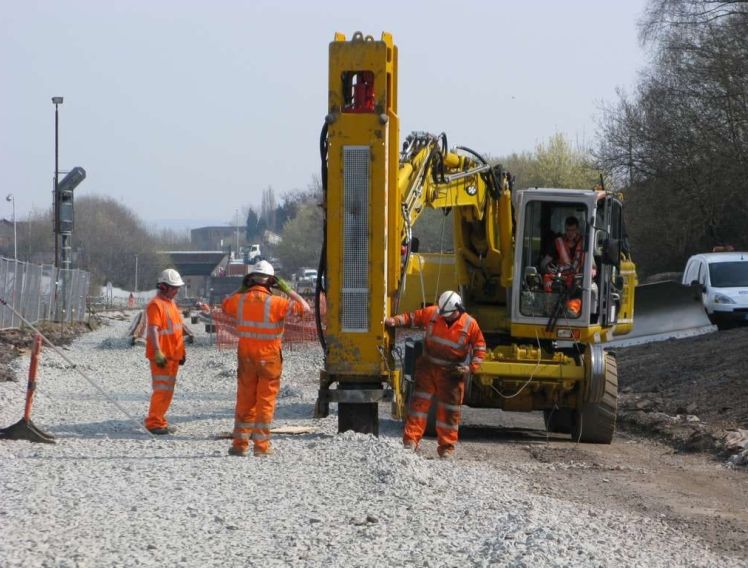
[722,278]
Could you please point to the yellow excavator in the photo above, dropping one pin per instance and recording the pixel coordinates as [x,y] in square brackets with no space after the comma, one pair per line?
[542,355]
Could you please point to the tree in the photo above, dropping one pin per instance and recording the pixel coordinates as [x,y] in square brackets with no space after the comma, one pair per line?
[680,141]
[293,200]
[267,209]
[302,239]
[109,235]
[558,164]
[553,164]
[253,230]
[35,236]
[105,241]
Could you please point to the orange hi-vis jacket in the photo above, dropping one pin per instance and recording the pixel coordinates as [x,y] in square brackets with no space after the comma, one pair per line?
[260,318]
[447,344]
[570,253]
[165,315]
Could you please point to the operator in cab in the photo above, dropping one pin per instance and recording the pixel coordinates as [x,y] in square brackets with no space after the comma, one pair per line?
[564,263]
[453,347]
[260,318]
[164,348]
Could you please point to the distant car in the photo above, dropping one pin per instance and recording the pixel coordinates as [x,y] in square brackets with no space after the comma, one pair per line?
[307,282]
[722,280]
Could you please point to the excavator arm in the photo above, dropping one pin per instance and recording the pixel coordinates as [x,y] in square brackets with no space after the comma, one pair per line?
[478,195]
[542,354]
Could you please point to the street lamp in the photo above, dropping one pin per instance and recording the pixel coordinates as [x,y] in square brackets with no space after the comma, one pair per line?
[12,199]
[56,101]
[237,233]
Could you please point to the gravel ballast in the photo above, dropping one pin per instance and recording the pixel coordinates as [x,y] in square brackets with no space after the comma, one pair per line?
[107,494]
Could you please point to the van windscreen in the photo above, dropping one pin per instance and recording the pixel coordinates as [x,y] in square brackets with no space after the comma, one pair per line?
[728,274]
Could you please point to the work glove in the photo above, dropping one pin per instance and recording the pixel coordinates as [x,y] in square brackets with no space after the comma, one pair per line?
[160,359]
[183,359]
[389,322]
[282,285]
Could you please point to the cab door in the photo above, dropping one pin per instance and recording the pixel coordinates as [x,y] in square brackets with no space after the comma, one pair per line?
[610,243]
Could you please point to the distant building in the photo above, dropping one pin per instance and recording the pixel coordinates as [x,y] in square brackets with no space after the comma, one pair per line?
[216,238]
[196,268]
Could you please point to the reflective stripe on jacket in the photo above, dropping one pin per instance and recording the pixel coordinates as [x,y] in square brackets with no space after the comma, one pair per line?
[165,315]
[447,344]
[260,318]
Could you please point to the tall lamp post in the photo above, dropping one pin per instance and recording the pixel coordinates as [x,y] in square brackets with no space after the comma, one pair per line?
[12,199]
[57,101]
[237,233]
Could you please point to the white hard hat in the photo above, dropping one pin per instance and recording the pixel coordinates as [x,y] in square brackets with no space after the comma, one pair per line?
[449,302]
[170,277]
[263,267]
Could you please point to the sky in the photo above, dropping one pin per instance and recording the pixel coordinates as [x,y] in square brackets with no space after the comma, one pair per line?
[185,111]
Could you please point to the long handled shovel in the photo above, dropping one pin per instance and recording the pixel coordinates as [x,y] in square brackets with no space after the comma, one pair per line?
[25,429]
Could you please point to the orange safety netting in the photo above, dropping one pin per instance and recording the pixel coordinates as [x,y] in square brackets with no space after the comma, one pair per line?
[298,329]
[225,329]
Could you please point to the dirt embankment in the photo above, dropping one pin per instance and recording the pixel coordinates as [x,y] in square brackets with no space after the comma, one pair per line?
[690,392]
[17,342]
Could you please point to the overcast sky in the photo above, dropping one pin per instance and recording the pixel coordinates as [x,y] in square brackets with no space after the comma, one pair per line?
[189,109]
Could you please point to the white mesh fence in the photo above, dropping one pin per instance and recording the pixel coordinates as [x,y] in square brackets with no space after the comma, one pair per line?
[41,292]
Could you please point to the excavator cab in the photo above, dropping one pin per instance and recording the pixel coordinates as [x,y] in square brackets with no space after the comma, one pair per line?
[530,302]
[568,248]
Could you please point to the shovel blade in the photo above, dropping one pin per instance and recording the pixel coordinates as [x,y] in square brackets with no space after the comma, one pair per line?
[26,430]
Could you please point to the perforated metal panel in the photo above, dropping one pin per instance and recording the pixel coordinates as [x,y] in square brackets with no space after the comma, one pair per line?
[355,300]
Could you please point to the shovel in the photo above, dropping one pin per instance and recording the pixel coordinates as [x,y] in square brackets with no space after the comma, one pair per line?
[25,429]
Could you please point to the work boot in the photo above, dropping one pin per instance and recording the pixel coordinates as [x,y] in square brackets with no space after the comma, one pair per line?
[162,431]
[263,453]
[447,454]
[241,452]
[410,445]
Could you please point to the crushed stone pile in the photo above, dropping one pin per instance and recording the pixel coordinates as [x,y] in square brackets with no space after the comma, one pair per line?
[107,494]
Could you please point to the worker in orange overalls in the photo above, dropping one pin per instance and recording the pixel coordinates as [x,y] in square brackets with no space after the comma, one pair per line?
[453,346]
[164,348]
[260,317]
[565,264]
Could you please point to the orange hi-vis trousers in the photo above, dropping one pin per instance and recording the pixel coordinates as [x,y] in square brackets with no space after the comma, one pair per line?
[441,383]
[163,380]
[258,382]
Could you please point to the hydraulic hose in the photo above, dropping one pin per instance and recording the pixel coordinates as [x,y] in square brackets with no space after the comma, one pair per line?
[322,269]
[491,181]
